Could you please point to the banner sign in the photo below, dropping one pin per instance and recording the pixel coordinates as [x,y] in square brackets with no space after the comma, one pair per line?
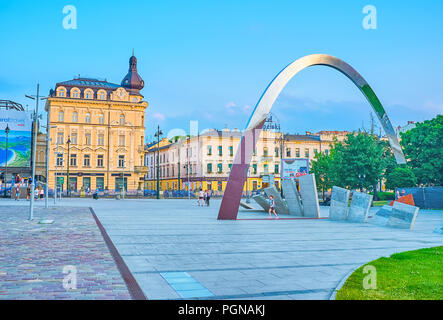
[294,168]
[19,138]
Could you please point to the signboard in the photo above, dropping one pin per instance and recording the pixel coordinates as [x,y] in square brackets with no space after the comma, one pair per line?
[271,124]
[295,168]
[19,138]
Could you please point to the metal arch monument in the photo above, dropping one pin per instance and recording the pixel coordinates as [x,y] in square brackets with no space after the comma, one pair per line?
[237,178]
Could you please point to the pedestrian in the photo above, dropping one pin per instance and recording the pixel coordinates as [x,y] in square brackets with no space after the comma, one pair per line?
[272,207]
[28,192]
[201,196]
[17,192]
[397,195]
[208,197]
[36,193]
[42,193]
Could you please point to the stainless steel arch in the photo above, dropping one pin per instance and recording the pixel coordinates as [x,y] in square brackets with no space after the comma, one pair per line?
[237,178]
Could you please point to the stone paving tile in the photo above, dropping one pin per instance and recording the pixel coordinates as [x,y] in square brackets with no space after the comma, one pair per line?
[33,255]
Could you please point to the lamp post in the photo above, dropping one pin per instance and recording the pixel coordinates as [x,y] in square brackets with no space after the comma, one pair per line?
[67,169]
[6,156]
[34,147]
[187,168]
[361,177]
[157,135]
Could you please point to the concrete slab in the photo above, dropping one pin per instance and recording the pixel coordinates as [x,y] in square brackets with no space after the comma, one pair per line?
[339,204]
[360,206]
[402,216]
[309,196]
[292,197]
[262,202]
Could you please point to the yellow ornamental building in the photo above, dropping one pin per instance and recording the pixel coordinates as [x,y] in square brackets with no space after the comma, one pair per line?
[97,133]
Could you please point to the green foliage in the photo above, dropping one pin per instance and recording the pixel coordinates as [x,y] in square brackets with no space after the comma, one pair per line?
[400,177]
[423,147]
[320,167]
[411,275]
[358,162]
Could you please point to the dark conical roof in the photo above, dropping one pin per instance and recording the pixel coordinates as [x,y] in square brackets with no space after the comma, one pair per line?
[132,81]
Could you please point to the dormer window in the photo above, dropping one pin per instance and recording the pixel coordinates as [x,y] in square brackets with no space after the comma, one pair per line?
[101,96]
[61,93]
[75,93]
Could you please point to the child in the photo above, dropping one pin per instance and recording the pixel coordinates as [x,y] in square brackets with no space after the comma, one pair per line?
[272,207]
[17,192]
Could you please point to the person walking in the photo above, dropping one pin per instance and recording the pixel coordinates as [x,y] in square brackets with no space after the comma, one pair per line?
[42,193]
[272,207]
[17,192]
[28,192]
[201,196]
[208,197]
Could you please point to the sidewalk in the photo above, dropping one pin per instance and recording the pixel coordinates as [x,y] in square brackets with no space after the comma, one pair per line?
[33,256]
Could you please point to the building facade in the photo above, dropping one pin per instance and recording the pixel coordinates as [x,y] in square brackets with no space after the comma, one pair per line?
[205,161]
[96,131]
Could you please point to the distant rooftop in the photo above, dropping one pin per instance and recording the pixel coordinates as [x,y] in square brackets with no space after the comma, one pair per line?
[8,104]
[89,82]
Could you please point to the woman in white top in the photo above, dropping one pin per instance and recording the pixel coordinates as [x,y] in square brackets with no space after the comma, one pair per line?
[201,196]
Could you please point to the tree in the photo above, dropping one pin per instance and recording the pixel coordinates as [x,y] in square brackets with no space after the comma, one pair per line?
[358,162]
[320,167]
[401,177]
[423,147]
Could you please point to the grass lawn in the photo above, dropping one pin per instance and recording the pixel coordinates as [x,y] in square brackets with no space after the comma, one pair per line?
[380,203]
[411,275]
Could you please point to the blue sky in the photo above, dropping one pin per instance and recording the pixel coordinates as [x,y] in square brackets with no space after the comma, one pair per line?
[211,60]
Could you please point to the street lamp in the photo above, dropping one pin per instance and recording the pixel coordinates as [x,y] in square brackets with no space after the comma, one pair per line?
[6,156]
[34,147]
[361,177]
[157,135]
[67,170]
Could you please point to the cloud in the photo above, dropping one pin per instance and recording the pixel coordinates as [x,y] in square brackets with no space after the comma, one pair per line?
[230,105]
[159,116]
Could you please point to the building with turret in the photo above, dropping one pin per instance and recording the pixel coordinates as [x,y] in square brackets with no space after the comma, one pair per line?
[96,131]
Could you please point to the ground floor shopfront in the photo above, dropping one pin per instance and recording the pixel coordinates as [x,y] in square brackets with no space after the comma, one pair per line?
[208,183]
[91,181]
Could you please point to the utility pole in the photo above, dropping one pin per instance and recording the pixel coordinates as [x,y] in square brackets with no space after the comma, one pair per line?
[6,158]
[34,151]
[157,135]
[67,170]
[178,167]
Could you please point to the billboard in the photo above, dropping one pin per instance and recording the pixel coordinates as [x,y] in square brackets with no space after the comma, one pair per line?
[295,168]
[19,138]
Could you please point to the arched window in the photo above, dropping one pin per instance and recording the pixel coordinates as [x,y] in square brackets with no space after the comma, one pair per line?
[101,118]
[75,93]
[88,93]
[88,118]
[102,95]
[122,119]
[74,116]
[61,93]
[61,116]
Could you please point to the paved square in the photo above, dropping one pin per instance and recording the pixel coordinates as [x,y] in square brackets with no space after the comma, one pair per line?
[245,259]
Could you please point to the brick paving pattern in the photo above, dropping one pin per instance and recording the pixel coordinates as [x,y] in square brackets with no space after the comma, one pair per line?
[33,255]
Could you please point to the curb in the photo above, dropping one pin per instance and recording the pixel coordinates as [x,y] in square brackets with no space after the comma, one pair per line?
[342,282]
[133,287]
